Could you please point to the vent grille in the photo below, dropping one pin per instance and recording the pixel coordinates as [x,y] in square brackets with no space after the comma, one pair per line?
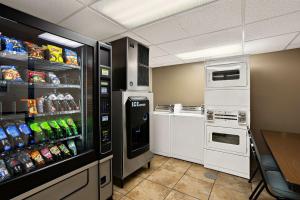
[143,66]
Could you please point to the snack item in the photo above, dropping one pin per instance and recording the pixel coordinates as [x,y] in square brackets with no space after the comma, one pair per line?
[36,77]
[14,165]
[55,101]
[4,174]
[37,158]
[10,73]
[49,105]
[14,134]
[71,57]
[40,104]
[63,103]
[47,129]
[72,147]
[24,158]
[63,124]
[70,99]
[64,150]
[39,135]
[55,54]
[26,133]
[56,128]
[46,154]
[72,125]
[31,104]
[34,51]
[4,143]
[53,78]
[12,45]
[55,152]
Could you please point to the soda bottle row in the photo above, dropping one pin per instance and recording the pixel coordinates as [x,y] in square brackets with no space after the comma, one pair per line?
[14,135]
[26,160]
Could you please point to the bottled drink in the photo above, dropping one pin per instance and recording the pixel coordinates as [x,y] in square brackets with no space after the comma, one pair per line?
[5,146]
[72,125]
[47,129]
[63,124]
[39,135]
[58,132]
[46,154]
[64,150]
[14,165]
[37,158]
[14,134]
[55,152]
[25,160]
[26,133]
[72,147]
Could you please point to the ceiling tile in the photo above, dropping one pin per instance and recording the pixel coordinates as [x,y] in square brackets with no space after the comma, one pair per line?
[266,45]
[90,23]
[257,9]
[216,16]
[50,10]
[221,38]
[295,44]
[156,52]
[128,34]
[161,31]
[272,27]
[165,61]
[87,2]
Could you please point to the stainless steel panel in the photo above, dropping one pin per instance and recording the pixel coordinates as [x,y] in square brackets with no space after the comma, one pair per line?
[106,187]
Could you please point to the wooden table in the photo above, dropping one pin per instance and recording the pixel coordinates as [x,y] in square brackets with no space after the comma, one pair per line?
[285,148]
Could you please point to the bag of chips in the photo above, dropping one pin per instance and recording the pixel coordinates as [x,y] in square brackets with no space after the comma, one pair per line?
[36,77]
[31,104]
[55,54]
[10,73]
[12,46]
[71,57]
[34,51]
[53,78]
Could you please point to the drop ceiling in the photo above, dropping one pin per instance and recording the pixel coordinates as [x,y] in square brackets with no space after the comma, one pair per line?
[259,26]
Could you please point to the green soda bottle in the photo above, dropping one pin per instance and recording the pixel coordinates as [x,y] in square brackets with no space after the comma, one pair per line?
[57,130]
[72,125]
[63,124]
[47,129]
[39,135]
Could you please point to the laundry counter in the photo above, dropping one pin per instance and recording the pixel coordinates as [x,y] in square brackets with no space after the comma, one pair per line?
[179,135]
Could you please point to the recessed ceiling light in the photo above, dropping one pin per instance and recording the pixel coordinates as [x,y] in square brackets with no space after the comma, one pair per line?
[133,13]
[221,51]
[59,40]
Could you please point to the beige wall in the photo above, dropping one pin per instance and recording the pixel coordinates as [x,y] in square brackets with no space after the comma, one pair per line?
[178,84]
[275,88]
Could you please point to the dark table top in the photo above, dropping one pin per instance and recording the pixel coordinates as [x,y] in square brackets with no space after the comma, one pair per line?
[285,148]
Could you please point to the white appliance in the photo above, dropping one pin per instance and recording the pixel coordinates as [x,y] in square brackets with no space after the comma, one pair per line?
[227,101]
[160,140]
[188,137]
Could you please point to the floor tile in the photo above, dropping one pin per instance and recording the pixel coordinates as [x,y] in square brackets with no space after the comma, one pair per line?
[165,177]
[158,161]
[174,195]
[194,187]
[144,172]
[264,195]
[220,192]
[148,190]
[234,183]
[117,195]
[200,172]
[176,165]
[130,183]
[125,198]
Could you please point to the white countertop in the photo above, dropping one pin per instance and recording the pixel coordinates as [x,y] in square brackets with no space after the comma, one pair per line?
[179,114]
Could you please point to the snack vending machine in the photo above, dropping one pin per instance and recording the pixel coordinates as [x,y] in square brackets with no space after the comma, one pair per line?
[103,92]
[46,110]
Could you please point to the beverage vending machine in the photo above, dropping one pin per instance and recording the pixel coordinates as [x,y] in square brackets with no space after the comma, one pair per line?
[103,92]
[47,148]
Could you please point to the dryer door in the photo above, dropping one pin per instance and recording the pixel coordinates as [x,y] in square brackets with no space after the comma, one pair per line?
[137,125]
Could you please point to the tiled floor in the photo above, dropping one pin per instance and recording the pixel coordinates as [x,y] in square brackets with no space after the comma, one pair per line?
[172,179]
